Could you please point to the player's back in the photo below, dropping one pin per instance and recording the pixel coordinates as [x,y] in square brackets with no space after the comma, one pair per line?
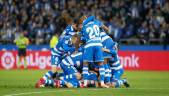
[91,31]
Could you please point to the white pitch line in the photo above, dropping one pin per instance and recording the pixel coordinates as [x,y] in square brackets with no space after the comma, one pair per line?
[39,92]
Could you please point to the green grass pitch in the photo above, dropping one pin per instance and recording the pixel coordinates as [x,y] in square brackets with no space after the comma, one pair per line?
[143,83]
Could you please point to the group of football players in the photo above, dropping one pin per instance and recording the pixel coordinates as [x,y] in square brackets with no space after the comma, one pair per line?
[87,56]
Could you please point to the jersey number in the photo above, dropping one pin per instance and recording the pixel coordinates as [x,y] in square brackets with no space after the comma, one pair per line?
[93,31]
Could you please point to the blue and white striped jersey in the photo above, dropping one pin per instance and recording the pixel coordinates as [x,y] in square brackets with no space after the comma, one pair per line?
[63,47]
[91,33]
[104,36]
[115,61]
[75,60]
[68,31]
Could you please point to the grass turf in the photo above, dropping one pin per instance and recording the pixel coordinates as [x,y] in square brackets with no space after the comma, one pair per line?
[143,83]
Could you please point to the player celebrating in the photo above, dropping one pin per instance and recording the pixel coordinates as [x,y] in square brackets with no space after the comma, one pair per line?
[107,43]
[69,30]
[63,48]
[92,49]
[116,68]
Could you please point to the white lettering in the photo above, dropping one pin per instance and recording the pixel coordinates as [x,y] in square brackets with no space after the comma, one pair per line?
[33,59]
[130,61]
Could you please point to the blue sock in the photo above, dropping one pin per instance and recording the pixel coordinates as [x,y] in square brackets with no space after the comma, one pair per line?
[124,80]
[118,83]
[85,74]
[102,72]
[62,82]
[107,73]
[49,82]
[48,75]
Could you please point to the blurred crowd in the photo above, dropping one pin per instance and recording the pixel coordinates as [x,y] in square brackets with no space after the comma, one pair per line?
[39,20]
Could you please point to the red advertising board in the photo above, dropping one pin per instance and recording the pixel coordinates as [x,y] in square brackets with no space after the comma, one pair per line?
[145,60]
[35,59]
[131,60]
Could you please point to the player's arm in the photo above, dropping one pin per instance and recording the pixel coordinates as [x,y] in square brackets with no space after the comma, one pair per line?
[106,50]
[90,18]
[105,28]
[109,51]
[67,48]
[82,38]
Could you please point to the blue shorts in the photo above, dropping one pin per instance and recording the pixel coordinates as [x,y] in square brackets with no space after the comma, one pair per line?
[93,54]
[92,76]
[108,44]
[68,69]
[116,74]
[56,60]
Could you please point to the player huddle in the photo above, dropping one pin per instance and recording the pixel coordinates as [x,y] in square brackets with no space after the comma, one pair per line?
[87,56]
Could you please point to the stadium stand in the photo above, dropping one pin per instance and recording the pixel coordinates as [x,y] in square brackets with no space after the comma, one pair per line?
[129,21]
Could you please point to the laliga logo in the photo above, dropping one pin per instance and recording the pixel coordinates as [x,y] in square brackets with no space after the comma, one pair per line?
[7,60]
[35,59]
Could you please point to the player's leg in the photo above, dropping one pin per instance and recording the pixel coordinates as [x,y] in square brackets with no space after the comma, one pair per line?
[69,71]
[108,44]
[102,74]
[87,57]
[99,60]
[61,80]
[48,75]
[116,78]
[107,72]
[85,72]
[54,61]
[50,82]
[69,82]
[44,80]
[93,79]
[61,84]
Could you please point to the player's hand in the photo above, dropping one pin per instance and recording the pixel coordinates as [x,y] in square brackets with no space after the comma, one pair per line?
[105,50]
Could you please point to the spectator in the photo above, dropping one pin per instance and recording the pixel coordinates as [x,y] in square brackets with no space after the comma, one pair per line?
[41,18]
